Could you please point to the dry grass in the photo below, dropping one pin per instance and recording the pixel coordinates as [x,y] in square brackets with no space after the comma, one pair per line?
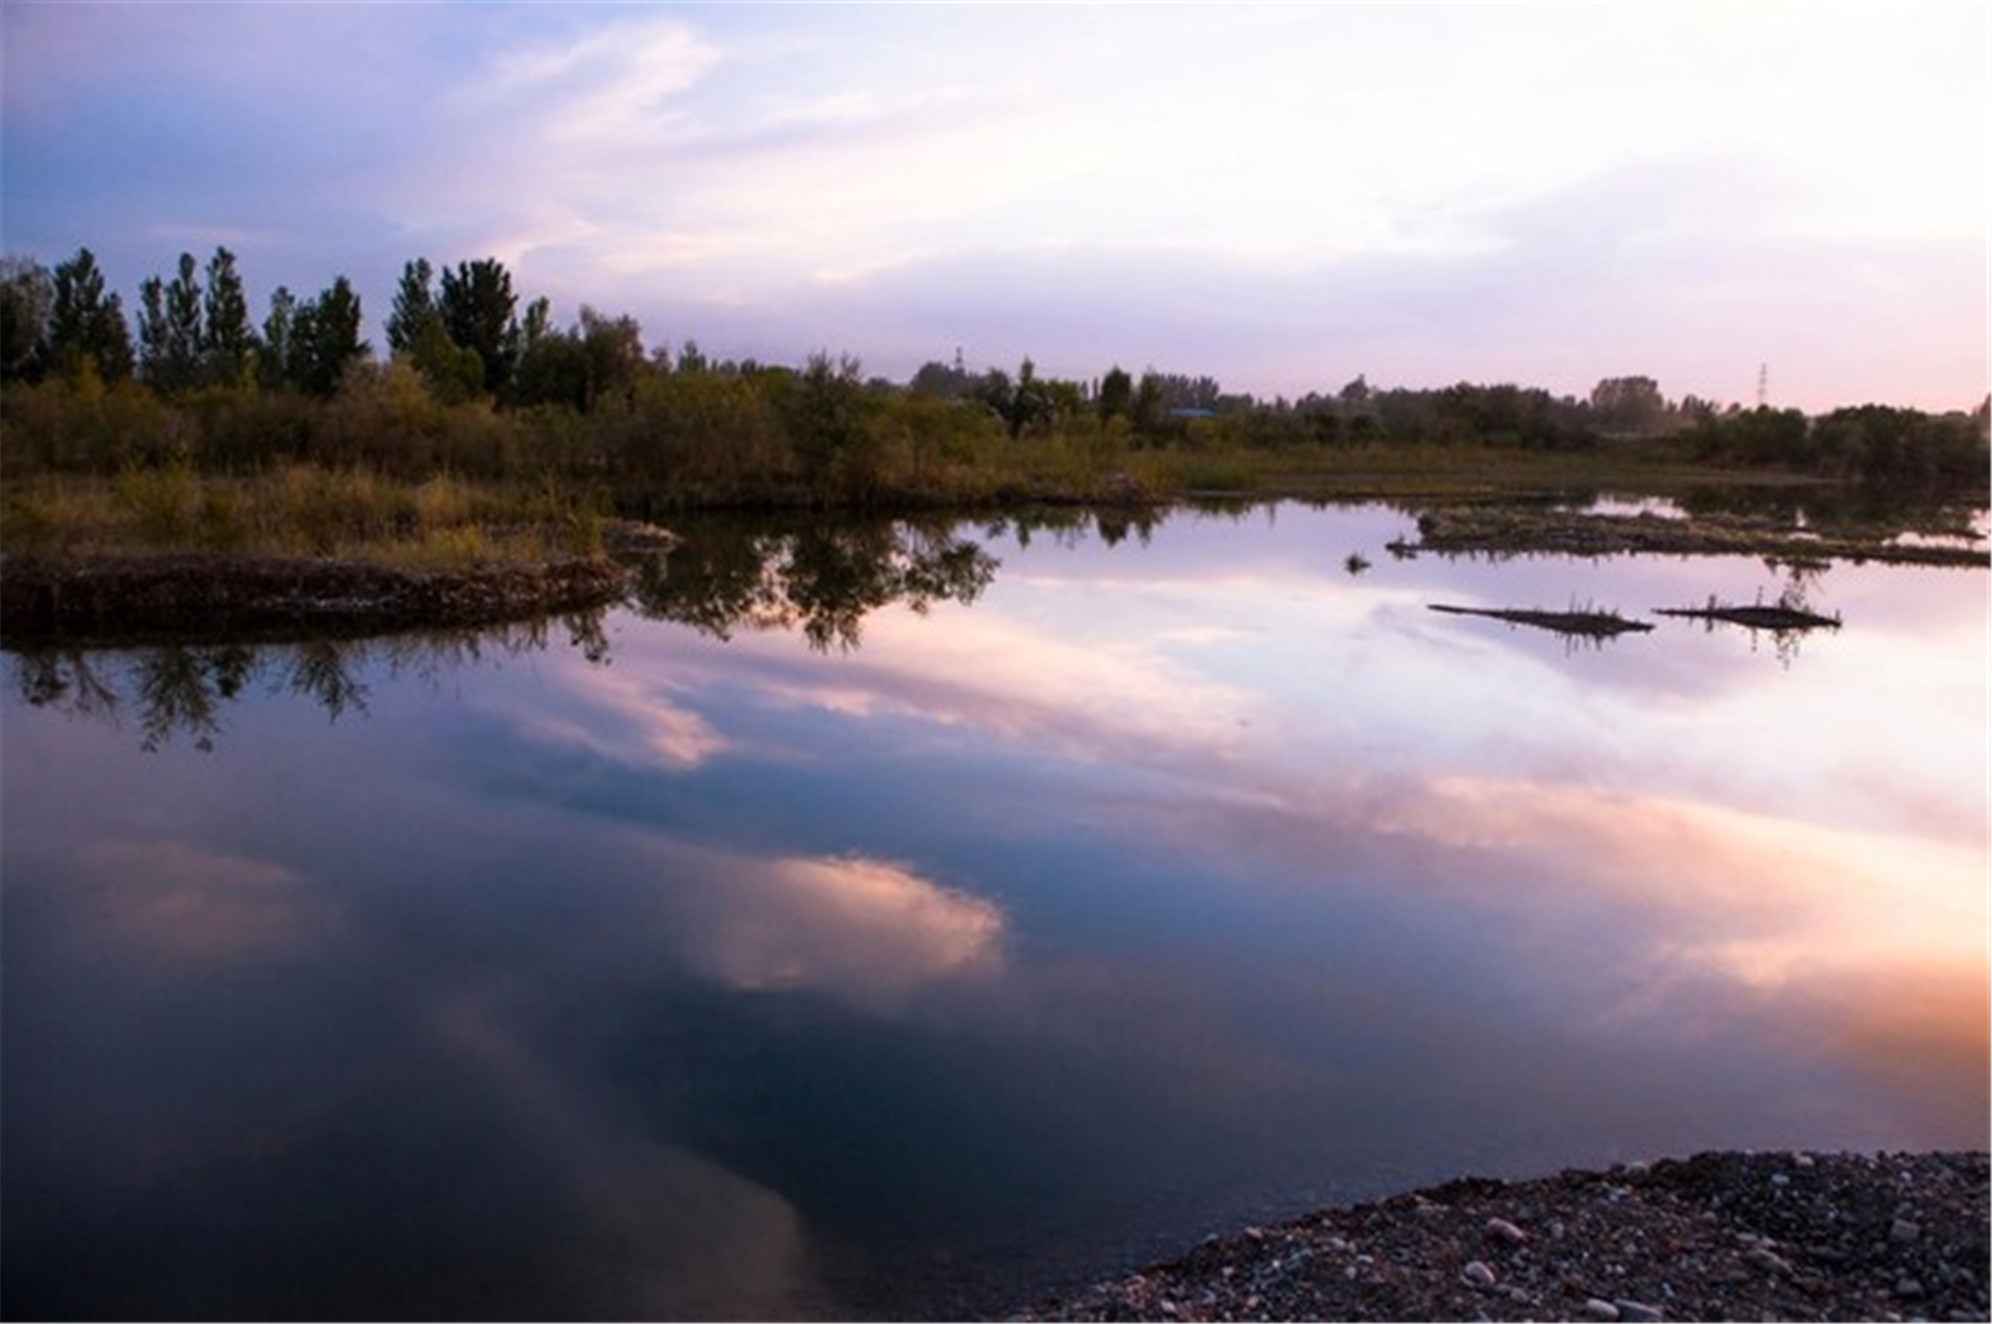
[298,510]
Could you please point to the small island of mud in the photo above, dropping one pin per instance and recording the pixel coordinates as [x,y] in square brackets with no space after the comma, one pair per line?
[1770,1236]
[1511,529]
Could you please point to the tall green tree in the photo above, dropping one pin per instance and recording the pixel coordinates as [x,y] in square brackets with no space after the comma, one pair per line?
[228,342]
[325,339]
[1116,392]
[169,329]
[539,319]
[414,306]
[273,352]
[1629,403]
[86,323]
[477,306]
[110,340]
[26,295]
[612,348]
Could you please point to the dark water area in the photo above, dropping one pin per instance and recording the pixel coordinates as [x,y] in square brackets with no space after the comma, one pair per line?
[887,920]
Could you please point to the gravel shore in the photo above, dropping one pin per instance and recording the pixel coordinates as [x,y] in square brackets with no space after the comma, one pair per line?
[1767,1236]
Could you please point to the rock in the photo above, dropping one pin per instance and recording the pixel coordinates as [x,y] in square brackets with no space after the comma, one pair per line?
[1903,1230]
[1802,1160]
[1501,1229]
[1477,1274]
[1596,1309]
[1169,1308]
[1908,1287]
[1639,1311]
[1779,1179]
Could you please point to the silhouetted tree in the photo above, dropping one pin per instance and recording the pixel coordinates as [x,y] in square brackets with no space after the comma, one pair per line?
[228,343]
[477,305]
[612,349]
[169,329]
[84,323]
[1632,404]
[273,352]
[325,339]
[1116,393]
[414,306]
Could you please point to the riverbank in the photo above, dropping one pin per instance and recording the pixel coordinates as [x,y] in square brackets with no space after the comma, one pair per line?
[180,592]
[1717,1236]
[309,547]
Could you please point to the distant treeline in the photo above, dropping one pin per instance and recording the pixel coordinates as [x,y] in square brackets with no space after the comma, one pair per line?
[473,384]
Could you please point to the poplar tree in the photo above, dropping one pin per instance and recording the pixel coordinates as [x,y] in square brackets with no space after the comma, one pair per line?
[227,341]
[169,329]
[477,306]
[414,307]
[84,322]
[325,339]
[273,354]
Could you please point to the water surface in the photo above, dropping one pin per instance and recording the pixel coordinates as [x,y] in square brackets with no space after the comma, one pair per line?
[906,921]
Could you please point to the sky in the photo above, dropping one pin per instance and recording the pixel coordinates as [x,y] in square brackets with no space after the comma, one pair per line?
[1279,197]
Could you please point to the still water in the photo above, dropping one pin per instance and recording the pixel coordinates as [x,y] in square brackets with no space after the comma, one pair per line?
[910,920]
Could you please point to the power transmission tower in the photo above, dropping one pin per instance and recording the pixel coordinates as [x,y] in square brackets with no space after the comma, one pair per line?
[1763,384]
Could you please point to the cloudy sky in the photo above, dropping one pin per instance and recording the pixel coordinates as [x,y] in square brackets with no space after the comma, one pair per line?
[1280,197]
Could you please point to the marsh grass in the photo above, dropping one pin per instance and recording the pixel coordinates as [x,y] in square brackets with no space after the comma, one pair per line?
[299,510]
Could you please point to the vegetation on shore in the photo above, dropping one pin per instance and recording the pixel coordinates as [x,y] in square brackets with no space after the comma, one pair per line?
[298,510]
[478,388]
[479,463]
[1510,530]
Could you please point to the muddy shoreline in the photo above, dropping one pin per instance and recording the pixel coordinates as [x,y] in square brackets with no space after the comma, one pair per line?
[1499,529]
[1717,1236]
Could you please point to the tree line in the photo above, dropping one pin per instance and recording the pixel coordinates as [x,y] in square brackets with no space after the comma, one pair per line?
[472,379]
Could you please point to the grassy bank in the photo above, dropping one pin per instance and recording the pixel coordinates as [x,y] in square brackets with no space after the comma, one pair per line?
[299,546]
[298,511]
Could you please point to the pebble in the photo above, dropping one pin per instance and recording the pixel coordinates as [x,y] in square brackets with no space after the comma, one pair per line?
[1802,1160]
[1779,1179]
[1639,1311]
[1596,1309]
[1765,1259]
[1903,1230]
[1477,1274]
[1908,1287]
[1506,1231]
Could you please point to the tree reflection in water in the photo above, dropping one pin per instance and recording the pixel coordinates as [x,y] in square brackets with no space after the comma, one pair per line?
[821,579]
[179,688]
